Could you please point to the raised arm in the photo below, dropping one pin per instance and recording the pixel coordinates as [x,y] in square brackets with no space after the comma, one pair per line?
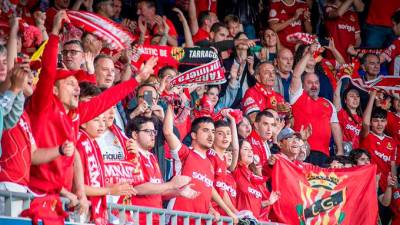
[186,28]
[44,88]
[335,13]
[172,140]
[99,104]
[234,143]
[367,115]
[12,42]
[194,25]
[299,69]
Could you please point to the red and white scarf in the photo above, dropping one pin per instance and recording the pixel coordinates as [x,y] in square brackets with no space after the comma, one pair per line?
[95,177]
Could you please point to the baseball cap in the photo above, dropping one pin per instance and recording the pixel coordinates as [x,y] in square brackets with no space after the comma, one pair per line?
[287,133]
[80,75]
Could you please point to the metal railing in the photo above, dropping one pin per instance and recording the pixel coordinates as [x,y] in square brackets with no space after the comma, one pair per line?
[165,215]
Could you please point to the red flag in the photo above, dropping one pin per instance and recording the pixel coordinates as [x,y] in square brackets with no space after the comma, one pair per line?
[313,195]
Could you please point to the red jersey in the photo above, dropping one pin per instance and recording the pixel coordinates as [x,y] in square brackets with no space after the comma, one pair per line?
[220,171]
[319,113]
[93,169]
[383,151]
[201,35]
[350,128]
[390,55]
[231,187]
[52,126]
[281,12]
[342,29]
[257,98]
[380,12]
[196,165]
[152,174]
[15,162]
[249,195]
[393,126]
[260,148]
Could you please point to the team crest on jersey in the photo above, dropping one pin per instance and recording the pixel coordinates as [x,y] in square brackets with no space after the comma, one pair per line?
[273,101]
[389,146]
[326,104]
[283,11]
[321,203]
[272,13]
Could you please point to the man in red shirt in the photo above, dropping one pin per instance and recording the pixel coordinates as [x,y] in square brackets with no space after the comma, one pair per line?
[378,27]
[146,9]
[287,17]
[193,162]
[259,137]
[262,96]
[372,138]
[56,102]
[205,21]
[152,189]
[20,151]
[309,109]
[392,53]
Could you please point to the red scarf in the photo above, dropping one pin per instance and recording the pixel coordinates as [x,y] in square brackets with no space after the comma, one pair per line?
[94,176]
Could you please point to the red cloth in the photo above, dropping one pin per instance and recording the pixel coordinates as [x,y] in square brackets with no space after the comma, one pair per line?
[201,35]
[350,128]
[15,161]
[318,113]
[343,30]
[380,12]
[281,12]
[391,53]
[152,174]
[257,98]
[259,148]
[52,126]
[48,209]
[93,169]
[315,195]
[200,169]
[220,171]
[383,151]
[249,195]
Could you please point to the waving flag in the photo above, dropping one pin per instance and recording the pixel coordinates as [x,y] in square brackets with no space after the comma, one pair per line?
[117,37]
[311,195]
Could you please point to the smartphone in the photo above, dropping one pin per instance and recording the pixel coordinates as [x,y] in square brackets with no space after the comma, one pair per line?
[255,49]
[148,97]
[323,41]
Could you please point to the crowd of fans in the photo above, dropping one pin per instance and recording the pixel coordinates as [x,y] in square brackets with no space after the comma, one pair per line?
[88,126]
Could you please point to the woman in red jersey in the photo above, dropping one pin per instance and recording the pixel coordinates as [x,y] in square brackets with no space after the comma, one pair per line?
[250,190]
[350,117]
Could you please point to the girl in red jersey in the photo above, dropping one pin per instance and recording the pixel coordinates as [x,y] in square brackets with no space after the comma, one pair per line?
[350,117]
[250,191]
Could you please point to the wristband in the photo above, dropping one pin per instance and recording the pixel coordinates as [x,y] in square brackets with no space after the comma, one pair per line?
[60,150]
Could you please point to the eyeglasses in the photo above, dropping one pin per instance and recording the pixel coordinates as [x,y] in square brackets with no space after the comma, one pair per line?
[72,52]
[149,131]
